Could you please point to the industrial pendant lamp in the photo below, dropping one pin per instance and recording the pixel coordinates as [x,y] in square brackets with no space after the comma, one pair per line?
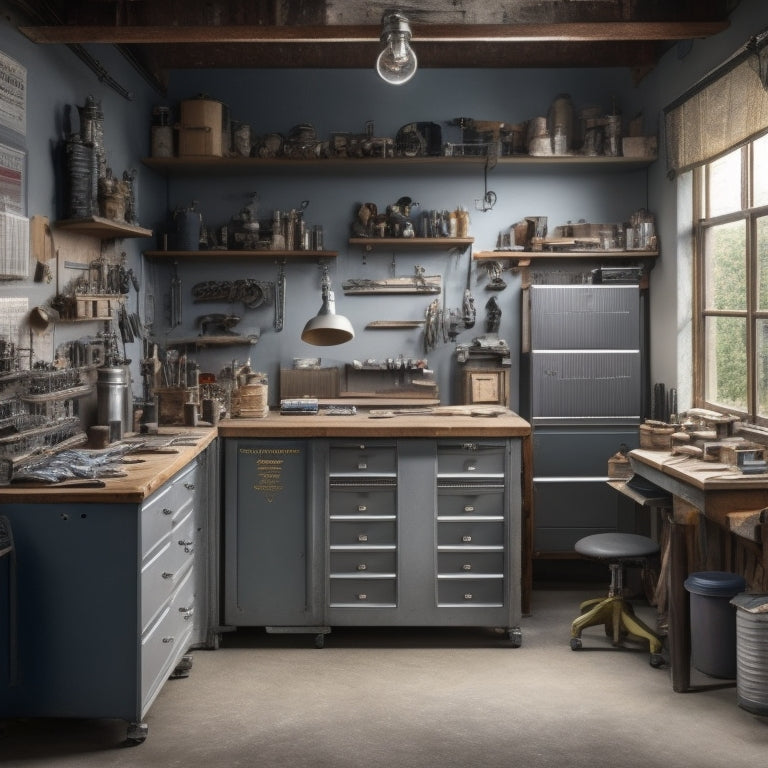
[327,328]
[397,62]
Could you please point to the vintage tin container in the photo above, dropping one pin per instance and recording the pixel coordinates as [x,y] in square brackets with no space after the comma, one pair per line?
[201,128]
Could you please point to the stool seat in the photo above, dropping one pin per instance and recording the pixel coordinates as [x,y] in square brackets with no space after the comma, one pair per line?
[614,612]
[616,546]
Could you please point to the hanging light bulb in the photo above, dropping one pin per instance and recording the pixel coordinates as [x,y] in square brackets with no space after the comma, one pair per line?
[327,328]
[397,62]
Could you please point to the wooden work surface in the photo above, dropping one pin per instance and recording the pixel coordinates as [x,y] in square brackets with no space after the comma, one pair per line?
[714,489]
[141,480]
[435,424]
[699,488]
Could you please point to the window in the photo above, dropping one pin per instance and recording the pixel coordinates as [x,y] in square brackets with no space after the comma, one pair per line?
[731,300]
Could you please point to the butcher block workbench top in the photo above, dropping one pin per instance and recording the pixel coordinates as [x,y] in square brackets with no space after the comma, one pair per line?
[142,478]
[447,421]
[151,470]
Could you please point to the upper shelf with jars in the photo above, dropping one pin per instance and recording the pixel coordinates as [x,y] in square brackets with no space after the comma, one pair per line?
[179,166]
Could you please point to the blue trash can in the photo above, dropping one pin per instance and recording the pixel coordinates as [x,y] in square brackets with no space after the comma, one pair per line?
[713,621]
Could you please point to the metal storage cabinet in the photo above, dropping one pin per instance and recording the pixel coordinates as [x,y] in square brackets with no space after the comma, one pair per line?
[424,532]
[272,546]
[586,372]
[110,598]
[385,532]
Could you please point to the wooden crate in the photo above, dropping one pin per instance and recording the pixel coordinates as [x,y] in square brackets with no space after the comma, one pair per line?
[322,383]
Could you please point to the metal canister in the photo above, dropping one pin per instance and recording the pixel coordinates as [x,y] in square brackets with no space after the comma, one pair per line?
[114,400]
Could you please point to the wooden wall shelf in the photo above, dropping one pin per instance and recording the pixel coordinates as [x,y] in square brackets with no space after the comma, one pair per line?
[246,165]
[370,244]
[105,229]
[596,253]
[213,255]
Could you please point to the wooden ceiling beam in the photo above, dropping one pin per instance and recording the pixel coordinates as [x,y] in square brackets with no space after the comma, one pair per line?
[437,33]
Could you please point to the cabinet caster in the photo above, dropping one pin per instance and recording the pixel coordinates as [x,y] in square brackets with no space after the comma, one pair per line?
[656,660]
[320,640]
[515,636]
[575,643]
[182,668]
[136,734]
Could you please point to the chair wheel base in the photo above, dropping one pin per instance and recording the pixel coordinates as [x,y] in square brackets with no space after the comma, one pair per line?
[575,643]
[656,660]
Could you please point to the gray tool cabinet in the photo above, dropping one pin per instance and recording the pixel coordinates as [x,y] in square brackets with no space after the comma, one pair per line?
[373,532]
[111,596]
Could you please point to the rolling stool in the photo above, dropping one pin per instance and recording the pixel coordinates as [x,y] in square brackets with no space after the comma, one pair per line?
[613,611]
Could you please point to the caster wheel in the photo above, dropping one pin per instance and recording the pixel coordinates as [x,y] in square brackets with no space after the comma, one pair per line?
[183,667]
[320,640]
[136,734]
[656,660]
[575,643]
[515,636]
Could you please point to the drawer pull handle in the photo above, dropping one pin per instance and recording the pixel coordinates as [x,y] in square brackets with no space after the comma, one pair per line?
[467,595]
[362,567]
[362,508]
[362,537]
[466,567]
[185,542]
[167,511]
[469,508]
[466,539]
[362,596]
[362,465]
[188,613]
[168,640]
[167,575]
[189,486]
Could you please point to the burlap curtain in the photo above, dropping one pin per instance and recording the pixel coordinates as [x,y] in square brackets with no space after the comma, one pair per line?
[726,109]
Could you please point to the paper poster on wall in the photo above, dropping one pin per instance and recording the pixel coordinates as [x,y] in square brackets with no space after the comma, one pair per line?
[13,94]
[12,195]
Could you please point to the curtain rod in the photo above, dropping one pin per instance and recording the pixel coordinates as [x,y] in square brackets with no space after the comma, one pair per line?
[752,47]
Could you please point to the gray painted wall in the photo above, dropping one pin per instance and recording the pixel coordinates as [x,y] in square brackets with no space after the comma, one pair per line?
[344,100]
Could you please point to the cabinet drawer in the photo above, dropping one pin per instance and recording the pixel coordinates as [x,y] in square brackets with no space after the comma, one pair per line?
[363,562]
[363,458]
[463,502]
[363,592]
[168,637]
[362,533]
[470,563]
[362,501]
[162,512]
[163,572]
[481,592]
[466,533]
[471,457]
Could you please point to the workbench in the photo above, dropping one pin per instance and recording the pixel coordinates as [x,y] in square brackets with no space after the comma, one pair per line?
[387,519]
[113,584]
[700,489]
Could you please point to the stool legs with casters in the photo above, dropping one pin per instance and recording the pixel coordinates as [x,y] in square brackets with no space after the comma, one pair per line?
[615,613]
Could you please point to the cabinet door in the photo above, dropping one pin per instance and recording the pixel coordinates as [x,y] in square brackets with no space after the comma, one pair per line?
[270,534]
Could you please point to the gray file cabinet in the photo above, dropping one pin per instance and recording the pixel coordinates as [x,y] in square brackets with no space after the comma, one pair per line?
[373,532]
[111,596]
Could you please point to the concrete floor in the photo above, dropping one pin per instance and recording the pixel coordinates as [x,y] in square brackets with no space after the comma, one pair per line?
[418,699]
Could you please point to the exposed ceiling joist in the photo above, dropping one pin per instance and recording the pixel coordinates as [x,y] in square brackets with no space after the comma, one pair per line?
[434,33]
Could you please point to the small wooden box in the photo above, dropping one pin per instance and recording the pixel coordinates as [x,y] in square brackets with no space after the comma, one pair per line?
[485,385]
[200,128]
